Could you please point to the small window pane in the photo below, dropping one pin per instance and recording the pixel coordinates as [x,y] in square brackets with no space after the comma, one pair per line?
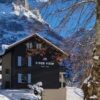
[29,61]
[27,45]
[30,45]
[29,78]
[19,78]
[24,78]
[19,61]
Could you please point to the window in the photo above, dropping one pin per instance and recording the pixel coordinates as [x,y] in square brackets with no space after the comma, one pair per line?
[24,78]
[45,59]
[19,78]
[0,68]
[19,61]
[29,61]
[29,45]
[29,78]
[38,46]
[0,76]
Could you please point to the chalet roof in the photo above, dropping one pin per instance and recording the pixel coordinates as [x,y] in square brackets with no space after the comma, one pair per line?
[28,37]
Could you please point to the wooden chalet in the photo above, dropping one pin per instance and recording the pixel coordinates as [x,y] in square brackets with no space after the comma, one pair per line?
[31,60]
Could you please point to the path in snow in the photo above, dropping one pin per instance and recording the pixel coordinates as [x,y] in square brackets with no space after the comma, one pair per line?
[73,93]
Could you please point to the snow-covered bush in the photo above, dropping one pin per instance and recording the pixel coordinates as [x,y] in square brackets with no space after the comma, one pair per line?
[36,89]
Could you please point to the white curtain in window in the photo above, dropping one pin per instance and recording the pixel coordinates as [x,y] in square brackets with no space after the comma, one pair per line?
[19,61]
[29,78]
[38,46]
[19,78]
[27,45]
[30,45]
[29,61]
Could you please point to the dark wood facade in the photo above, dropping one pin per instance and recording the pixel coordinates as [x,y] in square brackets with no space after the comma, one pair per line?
[38,61]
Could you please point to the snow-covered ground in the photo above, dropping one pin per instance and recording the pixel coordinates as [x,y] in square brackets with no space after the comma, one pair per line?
[72,93]
[17,95]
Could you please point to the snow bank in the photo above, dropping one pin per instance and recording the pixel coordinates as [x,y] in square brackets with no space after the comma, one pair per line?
[73,93]
[34,93]
[17,95]
[2,97]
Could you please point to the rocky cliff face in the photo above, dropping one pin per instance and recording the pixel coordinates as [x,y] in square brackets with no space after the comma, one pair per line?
[92,86]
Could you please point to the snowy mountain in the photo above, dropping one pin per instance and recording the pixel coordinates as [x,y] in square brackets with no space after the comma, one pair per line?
[22,23]
[80,47]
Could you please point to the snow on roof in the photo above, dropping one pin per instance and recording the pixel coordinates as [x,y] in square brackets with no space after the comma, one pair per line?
[7,47]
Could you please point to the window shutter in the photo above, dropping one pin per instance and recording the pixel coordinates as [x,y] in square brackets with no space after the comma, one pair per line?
[29,78]
[19,61]
[19,78]
[29,61]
